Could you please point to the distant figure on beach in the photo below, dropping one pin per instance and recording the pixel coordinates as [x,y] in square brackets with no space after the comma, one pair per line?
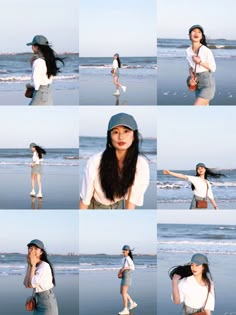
[36,169]
[192,285]
[126,279]
[119,174]
[44,68]
[116,74]
[40,277]
[201,66]
[200,185]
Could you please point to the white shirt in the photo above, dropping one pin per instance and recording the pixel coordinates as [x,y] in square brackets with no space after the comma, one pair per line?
[36,159]
[194,295]
[42,280]
[115,64]
[91,186]
[39,74]
[201,187]
[205,55]
[127,262]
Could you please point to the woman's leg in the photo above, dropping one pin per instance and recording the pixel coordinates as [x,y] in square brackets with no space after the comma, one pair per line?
[125,295]
[116,82]
[32,181]
[201,101]
[39,183]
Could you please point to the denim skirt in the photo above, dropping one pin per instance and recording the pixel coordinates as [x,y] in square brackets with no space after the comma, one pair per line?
[46,303]
[206,85]
[190,311]
[43,96]
[36,169]
[94,204]
[126,278]
[193,204]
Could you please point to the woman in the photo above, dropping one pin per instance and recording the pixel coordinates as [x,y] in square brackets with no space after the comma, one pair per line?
[126,281]
[200,185]
[36,169]
[201,61]
[192,285]
[119,173]
[116,73]
[40,277]
[44,67]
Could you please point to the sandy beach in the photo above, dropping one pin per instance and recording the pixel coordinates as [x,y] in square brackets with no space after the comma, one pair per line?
[104,287]
[14,294]
[60,188]
[185,205]
[172,88]
[98,89]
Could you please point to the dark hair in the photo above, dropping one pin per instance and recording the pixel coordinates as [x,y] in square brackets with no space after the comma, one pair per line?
[51,59]
[40,151]
[44,257]
[130,255]
[209,173]
[115,182]
[118,60]
[185,271]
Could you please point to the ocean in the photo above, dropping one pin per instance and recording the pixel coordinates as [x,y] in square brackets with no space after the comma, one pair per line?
[54,157]
[175,190]
[15,264]
[15,72]
[175,48]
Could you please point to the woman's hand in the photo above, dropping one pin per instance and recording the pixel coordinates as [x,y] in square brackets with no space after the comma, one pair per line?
[32,258]
[166,172]
[196,59]
[176,277]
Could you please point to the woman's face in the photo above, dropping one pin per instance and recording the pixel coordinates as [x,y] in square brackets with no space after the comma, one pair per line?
[33,149]
[115,56]
[125,252]
[201,170]
[35,49]
[197,270]
[196,35]
[34,249]
[122,138]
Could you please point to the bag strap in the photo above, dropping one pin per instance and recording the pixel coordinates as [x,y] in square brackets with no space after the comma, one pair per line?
[207,189]
[195,68]
[206,297]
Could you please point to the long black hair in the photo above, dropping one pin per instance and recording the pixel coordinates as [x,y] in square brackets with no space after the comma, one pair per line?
[118,60]
[51,59]
[185,271]
[209,173]
[40,151]
[116,182]
[130,255]
[44,257]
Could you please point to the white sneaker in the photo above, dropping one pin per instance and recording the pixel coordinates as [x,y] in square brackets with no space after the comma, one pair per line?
[124,88]
[133,305]
[32,193]
[39,195]
[125,311]
[117,93]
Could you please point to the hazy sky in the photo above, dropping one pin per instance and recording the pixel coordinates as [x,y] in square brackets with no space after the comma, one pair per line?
[57,229]
[127,27]
[227,217]
[93,120]
[187,135]
[107,231]
[58,20]
[51,127]
[174,18]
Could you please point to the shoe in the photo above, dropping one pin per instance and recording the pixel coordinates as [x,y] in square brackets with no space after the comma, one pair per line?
[117,93]
[32,193]
[125,311]
[39,195]
[124,88]
[133,305]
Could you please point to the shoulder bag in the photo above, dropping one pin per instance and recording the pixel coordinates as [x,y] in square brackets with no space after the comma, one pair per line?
[193,87]
[202,204]
[202,312]
[30,303]
[120,273]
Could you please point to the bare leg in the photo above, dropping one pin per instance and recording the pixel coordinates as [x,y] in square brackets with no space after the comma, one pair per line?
[125,295]
[39,182]
[116,82]
[201,101]
[32,181]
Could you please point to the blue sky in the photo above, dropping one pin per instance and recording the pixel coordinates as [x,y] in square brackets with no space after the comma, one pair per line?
[98,118]
[227,217]
[57,229]
[107,231]
[52,127]
[187,135]
[58,20]
[126,27]
[174,18]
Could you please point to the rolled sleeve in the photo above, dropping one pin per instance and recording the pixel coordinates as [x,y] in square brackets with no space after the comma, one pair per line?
[42,277]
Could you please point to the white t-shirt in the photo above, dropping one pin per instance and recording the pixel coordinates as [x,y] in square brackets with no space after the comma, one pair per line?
[201,187]
[42,280]
[36,158]
[91,186]
[115,64]
[194,295]
[205,55]
[39,74]
[127,262]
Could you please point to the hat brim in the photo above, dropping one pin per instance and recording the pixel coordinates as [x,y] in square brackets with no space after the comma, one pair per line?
[29,44]
[124,125]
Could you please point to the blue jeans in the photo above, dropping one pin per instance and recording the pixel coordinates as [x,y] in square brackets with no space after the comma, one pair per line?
[46,303]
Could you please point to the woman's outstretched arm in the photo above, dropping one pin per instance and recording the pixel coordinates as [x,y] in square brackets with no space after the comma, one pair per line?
[179,175]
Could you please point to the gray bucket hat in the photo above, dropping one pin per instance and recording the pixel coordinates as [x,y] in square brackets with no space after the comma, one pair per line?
[37,243]
[196,26]
[40,40]
[200,164]
[32,145]
[126,247]
[122,119]
[199,259]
